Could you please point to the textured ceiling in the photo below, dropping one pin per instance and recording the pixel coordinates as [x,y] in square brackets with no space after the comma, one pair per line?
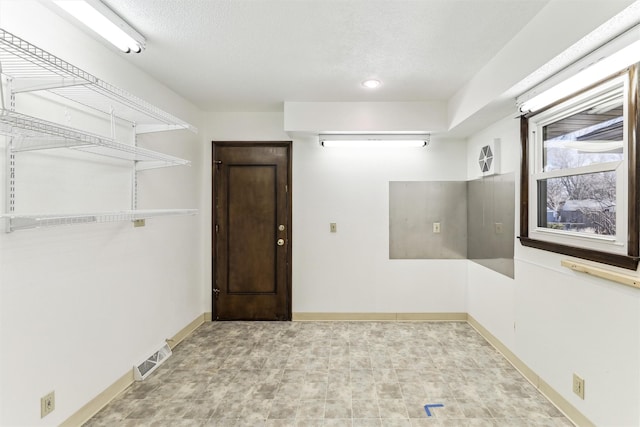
[252,55]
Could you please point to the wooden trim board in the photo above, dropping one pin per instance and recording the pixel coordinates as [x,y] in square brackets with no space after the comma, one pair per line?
[624,279]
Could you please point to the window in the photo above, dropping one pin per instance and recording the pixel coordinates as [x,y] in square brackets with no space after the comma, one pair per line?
[579,181]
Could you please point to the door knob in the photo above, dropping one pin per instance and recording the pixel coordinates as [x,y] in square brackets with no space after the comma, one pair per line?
[280,242]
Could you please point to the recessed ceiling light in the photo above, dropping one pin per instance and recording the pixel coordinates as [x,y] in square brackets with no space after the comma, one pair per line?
[371,84]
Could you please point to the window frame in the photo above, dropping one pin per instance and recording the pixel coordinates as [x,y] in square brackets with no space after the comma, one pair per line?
[587,249]
[606,243]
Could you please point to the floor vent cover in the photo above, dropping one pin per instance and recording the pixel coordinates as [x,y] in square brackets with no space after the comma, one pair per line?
[145,369]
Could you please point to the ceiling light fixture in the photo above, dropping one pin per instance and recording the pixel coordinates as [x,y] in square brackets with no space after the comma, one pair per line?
[590,75]
[371,83]
[98,17]
[375,141]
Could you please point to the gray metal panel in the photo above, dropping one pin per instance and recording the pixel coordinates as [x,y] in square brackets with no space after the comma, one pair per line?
[414,207]
[491,222]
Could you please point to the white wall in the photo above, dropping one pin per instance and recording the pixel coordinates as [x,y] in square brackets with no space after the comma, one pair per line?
[557,321]
[80,305]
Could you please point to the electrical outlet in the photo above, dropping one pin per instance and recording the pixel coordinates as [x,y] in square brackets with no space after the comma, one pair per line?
[436,227]
[138,222]
[47,404]
[333,227]
[578,386]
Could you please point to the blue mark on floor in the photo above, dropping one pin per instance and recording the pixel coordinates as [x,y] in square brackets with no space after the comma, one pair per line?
[433,405]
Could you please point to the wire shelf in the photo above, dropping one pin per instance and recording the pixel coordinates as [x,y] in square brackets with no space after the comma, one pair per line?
[33,69]
[29,221]
[37,134]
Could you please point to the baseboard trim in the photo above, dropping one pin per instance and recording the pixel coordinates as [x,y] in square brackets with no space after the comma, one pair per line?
[549,392]
[433,317]
[186,331]
[94,406]
[385,317]
[100,401]
[208,316]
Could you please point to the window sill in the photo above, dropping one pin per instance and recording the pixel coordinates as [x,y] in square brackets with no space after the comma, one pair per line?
[616,260]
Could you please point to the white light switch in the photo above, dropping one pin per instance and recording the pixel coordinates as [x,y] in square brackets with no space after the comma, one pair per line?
[333,227]
[436,227]
[499,228]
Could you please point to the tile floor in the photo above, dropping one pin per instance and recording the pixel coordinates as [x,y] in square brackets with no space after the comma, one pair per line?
[332,374]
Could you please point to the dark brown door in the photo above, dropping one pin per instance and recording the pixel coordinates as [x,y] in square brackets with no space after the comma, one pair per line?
[252,267]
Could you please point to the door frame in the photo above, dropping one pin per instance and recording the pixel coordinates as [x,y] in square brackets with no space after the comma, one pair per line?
[289,146]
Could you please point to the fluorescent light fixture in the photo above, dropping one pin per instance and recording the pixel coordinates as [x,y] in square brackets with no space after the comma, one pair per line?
[97,16]
[590,75]
[371,83]
[375,141]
